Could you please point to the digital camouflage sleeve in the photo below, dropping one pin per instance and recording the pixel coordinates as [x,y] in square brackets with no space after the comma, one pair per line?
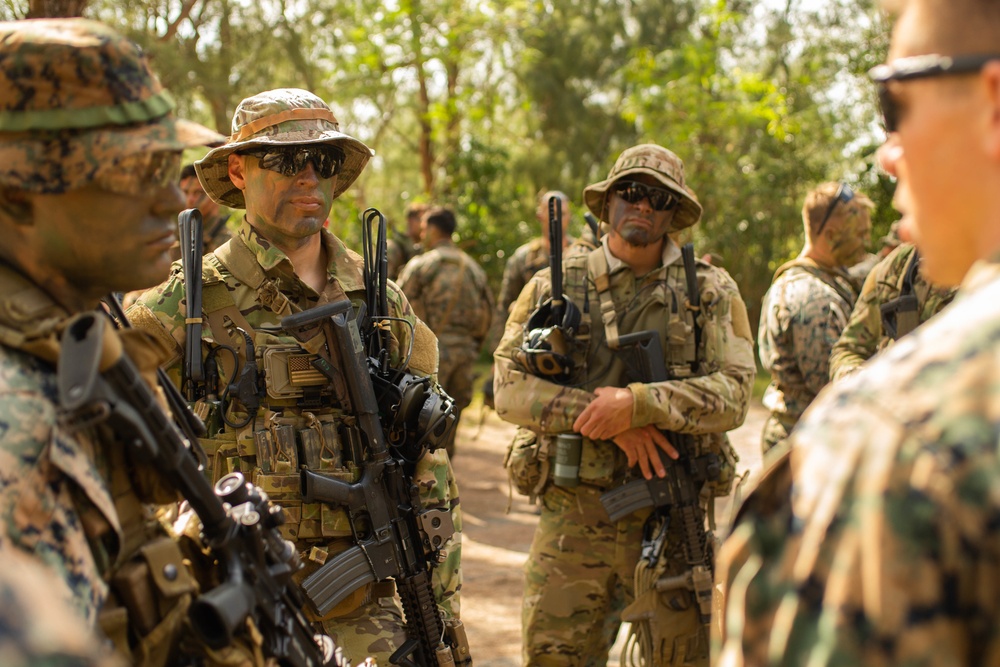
[871,541]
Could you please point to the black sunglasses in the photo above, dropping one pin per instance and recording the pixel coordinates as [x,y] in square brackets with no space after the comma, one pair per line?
[290,160]
[660,199]
[919,67]
[844,194]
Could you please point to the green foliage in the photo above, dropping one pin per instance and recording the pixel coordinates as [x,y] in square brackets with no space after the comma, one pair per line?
[482,104]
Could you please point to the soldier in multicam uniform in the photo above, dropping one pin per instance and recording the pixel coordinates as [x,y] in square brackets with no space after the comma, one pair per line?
[579,574]
[89,156]
[401,250]
[285,163]
[872,539]
[448,290]
[529,258]
[214,217]
[808,304]
[896,294]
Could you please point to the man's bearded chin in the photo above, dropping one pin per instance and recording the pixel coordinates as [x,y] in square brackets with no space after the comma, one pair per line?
[639,236]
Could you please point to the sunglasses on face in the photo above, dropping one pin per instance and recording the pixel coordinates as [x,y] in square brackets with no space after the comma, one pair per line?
[290,160]
[659,199]
[844,194]
[139,173]
[919,67]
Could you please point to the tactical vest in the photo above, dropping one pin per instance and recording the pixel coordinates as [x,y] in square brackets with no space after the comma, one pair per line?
[298,415]
[587,284]
[150,587]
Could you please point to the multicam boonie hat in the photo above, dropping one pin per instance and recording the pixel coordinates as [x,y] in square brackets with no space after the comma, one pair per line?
[659,163]
[282,116]
[75,99]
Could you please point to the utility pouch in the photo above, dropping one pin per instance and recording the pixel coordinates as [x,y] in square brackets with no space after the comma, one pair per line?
[154,588]
[289,371]
[527,463]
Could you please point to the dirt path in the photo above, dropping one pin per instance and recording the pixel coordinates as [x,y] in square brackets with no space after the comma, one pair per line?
[496,543]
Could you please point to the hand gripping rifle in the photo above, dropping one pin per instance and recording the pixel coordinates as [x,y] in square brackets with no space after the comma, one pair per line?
[395,537]
[98,383]
[550,329]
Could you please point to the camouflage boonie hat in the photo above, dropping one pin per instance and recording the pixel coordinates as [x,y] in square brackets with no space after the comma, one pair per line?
[76,97]
[659,163]
[282,116]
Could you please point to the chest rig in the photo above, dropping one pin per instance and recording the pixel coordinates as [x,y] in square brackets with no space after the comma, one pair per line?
[660,305]
[276,411]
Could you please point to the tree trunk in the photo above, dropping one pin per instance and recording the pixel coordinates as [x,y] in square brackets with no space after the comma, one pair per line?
[39,9]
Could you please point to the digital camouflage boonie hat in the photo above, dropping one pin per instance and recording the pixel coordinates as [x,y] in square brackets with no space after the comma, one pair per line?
[75,99]
[282,116]
[659,163]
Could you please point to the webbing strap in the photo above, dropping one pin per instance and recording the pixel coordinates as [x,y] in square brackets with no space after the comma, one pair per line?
[597,267]
[242,263]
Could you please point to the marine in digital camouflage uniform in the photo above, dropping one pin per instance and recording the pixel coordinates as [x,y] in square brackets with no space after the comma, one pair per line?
[580,570]
[283,261]
[37,627]
[89,156]
[871,540]
[864,335]
[808,305]
[448,290]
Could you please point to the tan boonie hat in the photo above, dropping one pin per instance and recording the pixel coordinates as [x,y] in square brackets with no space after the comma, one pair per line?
[76,98]
[282,116]
[657,162]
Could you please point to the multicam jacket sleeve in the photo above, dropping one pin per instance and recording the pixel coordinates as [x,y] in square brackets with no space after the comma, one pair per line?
[863,336]
[872,541]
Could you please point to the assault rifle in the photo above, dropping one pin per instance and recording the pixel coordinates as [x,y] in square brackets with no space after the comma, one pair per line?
[676,497]
[98,383]
[395,537]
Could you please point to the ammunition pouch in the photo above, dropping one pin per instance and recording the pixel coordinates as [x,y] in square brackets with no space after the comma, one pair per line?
[153,591]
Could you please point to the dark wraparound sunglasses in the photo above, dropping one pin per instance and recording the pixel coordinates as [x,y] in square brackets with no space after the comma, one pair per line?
[290,160]
[919,67]
[844,194]
[660,199]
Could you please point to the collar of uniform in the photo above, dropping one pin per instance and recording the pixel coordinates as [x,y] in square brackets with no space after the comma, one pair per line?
[344,266]
[268,256]
[671,253]
[444,242]
[982,272]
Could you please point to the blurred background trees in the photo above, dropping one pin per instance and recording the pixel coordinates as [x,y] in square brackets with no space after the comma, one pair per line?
[482,104]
